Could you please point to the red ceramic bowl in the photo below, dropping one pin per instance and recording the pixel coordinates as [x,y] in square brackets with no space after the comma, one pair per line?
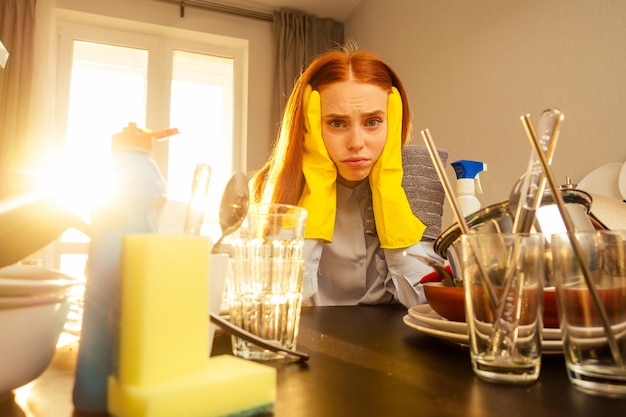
[448,302]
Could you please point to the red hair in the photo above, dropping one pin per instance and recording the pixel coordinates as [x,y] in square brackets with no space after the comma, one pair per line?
[281,179]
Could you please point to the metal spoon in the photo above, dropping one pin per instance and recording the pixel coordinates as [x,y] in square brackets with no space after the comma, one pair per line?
[446,278]
[238,331]
[233,207]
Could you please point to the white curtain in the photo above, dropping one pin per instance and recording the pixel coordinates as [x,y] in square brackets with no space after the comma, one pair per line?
[299,37]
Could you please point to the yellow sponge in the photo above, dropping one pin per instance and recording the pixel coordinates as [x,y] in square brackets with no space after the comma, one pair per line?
[226,386]
[163,365]
[163,311]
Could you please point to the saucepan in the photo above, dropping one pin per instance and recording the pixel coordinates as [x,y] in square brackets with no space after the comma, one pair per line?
[498,218]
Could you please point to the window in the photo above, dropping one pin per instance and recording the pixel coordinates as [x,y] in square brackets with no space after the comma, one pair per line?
[109,78]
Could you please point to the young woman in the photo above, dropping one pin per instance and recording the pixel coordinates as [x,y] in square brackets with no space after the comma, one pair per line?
[338,154]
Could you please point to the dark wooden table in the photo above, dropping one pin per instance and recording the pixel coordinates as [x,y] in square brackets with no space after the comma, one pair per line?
[366,362]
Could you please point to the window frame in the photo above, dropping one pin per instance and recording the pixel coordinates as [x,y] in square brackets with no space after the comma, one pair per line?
[160,41]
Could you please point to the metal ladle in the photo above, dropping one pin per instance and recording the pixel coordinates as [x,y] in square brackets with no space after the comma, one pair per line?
[233,207]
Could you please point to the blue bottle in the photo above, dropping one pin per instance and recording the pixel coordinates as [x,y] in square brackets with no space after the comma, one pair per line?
[131,203]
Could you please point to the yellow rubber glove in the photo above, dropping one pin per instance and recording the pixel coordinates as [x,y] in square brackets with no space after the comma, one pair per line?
[319,196]
[396,224]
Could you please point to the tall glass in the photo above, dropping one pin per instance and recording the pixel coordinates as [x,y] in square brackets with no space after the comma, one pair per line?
[265,288]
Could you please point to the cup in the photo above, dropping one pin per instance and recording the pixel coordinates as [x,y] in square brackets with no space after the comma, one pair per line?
[265,288]
[592,319]
[503,277]
[218,275]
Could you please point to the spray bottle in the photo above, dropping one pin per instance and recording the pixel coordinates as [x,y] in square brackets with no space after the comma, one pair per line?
[131,196]
[468,184]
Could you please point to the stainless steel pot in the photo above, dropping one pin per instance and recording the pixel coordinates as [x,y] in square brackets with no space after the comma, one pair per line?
[498,218]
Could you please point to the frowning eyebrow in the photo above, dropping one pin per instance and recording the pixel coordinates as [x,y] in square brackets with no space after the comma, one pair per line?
[375,113]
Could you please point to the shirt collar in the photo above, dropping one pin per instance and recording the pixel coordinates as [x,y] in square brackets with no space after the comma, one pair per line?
[358,193]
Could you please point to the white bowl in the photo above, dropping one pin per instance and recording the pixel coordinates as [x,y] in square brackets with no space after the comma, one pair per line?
[28,338]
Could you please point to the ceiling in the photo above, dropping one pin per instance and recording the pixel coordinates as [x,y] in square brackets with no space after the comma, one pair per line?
[335,9]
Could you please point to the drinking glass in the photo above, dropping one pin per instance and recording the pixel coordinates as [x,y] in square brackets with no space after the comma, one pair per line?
[503,276]
[592,313]
[265,288]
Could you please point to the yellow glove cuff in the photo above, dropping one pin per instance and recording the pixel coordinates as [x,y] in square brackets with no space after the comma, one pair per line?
[319,196]
[396,224]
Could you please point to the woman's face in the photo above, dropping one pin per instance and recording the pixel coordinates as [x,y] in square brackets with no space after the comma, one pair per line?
[354,128]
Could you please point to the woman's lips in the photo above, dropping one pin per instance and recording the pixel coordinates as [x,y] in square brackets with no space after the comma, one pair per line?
[356,162]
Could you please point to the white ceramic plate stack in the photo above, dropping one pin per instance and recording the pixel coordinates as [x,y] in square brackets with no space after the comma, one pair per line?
[27,285]
[425,320]
[34,306]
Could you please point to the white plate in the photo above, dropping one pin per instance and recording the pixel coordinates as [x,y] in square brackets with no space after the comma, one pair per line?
[611,212]
[15,302]
[432,326]
[461,339]
[427,316]
[20,287]
[28,280]
[603,180]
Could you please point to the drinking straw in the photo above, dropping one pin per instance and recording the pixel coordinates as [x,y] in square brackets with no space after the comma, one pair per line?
[571,233]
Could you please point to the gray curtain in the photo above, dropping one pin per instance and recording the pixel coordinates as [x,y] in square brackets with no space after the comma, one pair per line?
[17,20]
[299,37]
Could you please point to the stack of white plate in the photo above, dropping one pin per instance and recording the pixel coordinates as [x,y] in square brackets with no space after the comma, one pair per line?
[34,306]
[27,285]
[425,320]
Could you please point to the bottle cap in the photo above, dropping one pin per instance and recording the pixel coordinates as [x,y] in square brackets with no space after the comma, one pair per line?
[465,168]
[468,180]
[133,137]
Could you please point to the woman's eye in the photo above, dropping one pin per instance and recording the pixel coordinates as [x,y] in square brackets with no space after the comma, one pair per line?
[373,122]
[336,123]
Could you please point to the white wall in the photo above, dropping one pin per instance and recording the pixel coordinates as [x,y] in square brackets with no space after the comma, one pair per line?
[472,68]
[258,34]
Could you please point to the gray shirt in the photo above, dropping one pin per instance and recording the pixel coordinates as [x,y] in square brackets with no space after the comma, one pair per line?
[353,268]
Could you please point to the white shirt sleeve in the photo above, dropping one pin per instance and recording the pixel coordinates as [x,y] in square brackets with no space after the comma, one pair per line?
[406,272]
[312,255]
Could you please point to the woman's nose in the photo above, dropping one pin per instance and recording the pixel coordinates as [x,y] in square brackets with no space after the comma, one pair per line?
[356,140]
